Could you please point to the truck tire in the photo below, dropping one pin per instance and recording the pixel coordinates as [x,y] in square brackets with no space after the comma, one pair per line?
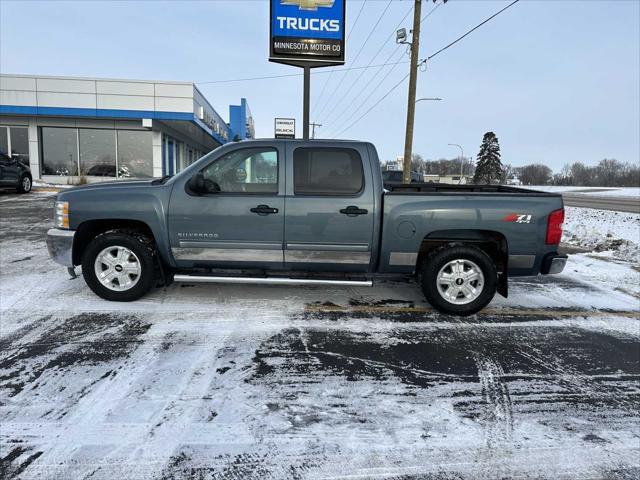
[25,184]
[120,265]
[458,280]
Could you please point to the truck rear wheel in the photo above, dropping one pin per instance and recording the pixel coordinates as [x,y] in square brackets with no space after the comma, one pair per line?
[119,266]
[459,280]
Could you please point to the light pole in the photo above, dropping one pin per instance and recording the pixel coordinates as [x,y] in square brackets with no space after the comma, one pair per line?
[428,98]
[435,99]
[461,159]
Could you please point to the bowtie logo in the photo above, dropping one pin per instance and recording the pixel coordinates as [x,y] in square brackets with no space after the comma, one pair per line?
[309,4]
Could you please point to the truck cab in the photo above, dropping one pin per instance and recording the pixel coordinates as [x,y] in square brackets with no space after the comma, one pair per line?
[278,205]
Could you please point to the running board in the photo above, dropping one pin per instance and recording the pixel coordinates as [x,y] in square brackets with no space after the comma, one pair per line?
[270,280]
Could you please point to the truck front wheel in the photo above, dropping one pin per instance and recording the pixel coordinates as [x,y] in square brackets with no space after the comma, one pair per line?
[459,280]
[119,265]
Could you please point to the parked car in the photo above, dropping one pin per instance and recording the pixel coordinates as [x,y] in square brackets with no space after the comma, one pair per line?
[394,177]
[15,174]
[307,213]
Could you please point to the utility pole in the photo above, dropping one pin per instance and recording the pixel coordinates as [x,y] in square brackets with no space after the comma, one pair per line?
[306,101]
[313,129]
[413,81]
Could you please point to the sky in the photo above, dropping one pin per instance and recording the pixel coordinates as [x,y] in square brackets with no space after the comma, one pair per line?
[557,81]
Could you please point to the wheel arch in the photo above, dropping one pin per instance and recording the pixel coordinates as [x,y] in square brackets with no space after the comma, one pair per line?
[493,243]
[90,229]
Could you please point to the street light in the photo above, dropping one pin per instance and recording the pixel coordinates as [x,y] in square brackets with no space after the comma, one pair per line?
[461,159]
[428,98]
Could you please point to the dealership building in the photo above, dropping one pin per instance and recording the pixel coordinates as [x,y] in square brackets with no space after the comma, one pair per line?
[71,129]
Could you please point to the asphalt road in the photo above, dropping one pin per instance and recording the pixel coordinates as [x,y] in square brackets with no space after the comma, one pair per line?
[620,204]
[263,382]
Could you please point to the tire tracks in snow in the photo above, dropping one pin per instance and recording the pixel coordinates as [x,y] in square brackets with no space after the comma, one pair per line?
[495,392]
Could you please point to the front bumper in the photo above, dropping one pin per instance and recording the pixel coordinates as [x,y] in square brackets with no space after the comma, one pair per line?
[60,246]
[553,263]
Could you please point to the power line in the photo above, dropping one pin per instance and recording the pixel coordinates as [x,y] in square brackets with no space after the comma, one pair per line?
[270,77]
[353,27]
[423,62]
[346,109]
[355,111]
[374,105]
[359,51]
[473,29]
[339,102]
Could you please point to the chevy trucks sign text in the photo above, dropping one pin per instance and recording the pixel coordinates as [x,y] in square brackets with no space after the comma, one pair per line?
[307,31]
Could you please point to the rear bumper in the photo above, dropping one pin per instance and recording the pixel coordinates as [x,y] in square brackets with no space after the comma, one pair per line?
[553,263]
[60,246]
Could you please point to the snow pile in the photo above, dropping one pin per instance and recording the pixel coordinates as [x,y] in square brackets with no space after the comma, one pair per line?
[613,233]
[598,191]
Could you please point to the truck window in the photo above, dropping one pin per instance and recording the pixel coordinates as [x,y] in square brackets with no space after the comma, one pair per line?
[391,176]
[327,171]
[249,170]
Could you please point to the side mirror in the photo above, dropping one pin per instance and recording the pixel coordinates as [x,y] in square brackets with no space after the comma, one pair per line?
[196,184]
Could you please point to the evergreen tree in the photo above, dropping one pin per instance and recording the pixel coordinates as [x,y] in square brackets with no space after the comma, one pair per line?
[488,166]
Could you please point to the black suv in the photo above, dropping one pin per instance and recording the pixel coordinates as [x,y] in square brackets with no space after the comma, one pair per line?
[14,174]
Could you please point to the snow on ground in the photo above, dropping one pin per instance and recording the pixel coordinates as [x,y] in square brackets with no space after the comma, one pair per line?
[608,233]
[599,191]
[266,382]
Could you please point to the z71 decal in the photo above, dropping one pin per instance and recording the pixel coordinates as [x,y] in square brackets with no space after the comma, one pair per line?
[517,218]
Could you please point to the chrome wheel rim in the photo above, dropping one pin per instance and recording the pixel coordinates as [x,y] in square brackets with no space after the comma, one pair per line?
[460,281]
[117,268]
[26,184]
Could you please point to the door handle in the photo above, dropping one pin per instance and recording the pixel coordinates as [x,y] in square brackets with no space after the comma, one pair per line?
[264,210]
[353,211]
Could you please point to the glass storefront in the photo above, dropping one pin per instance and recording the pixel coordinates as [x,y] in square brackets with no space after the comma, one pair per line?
[135,154]
[4,141]
[14,142]
[97,152]
[102,153]
[59,151]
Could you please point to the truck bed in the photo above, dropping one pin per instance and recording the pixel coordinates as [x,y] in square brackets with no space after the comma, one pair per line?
[414,188]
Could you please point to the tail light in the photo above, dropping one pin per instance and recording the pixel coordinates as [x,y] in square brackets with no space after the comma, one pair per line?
[554,227]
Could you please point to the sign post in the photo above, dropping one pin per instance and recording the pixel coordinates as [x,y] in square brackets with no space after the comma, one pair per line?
[307,34]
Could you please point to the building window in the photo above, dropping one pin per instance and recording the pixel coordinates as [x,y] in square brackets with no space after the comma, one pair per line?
[180,165]
[20,143]
[4,141]
[14,142]
[327,171]
[97,152]
[59,151]
[103,153]
[135,154]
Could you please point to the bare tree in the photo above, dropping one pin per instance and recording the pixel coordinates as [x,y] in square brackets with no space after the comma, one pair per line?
[535,174]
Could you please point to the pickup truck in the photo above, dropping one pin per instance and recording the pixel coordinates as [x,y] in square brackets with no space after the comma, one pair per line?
[293,212]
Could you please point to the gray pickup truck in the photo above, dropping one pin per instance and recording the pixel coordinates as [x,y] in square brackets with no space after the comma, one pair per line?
[306,213]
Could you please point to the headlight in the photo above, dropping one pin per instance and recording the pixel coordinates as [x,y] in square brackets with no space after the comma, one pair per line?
[61,215]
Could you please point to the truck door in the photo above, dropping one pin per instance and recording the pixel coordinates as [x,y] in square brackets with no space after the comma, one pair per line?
[330,208]
[239,221]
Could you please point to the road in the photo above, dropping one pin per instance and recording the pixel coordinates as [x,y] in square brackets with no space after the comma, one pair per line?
[620,204]
[266,382]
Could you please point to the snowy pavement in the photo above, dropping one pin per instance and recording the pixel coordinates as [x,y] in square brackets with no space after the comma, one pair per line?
[264,382]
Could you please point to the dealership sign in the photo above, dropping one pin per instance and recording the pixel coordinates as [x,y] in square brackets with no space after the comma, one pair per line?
[307,32]
[285,128]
